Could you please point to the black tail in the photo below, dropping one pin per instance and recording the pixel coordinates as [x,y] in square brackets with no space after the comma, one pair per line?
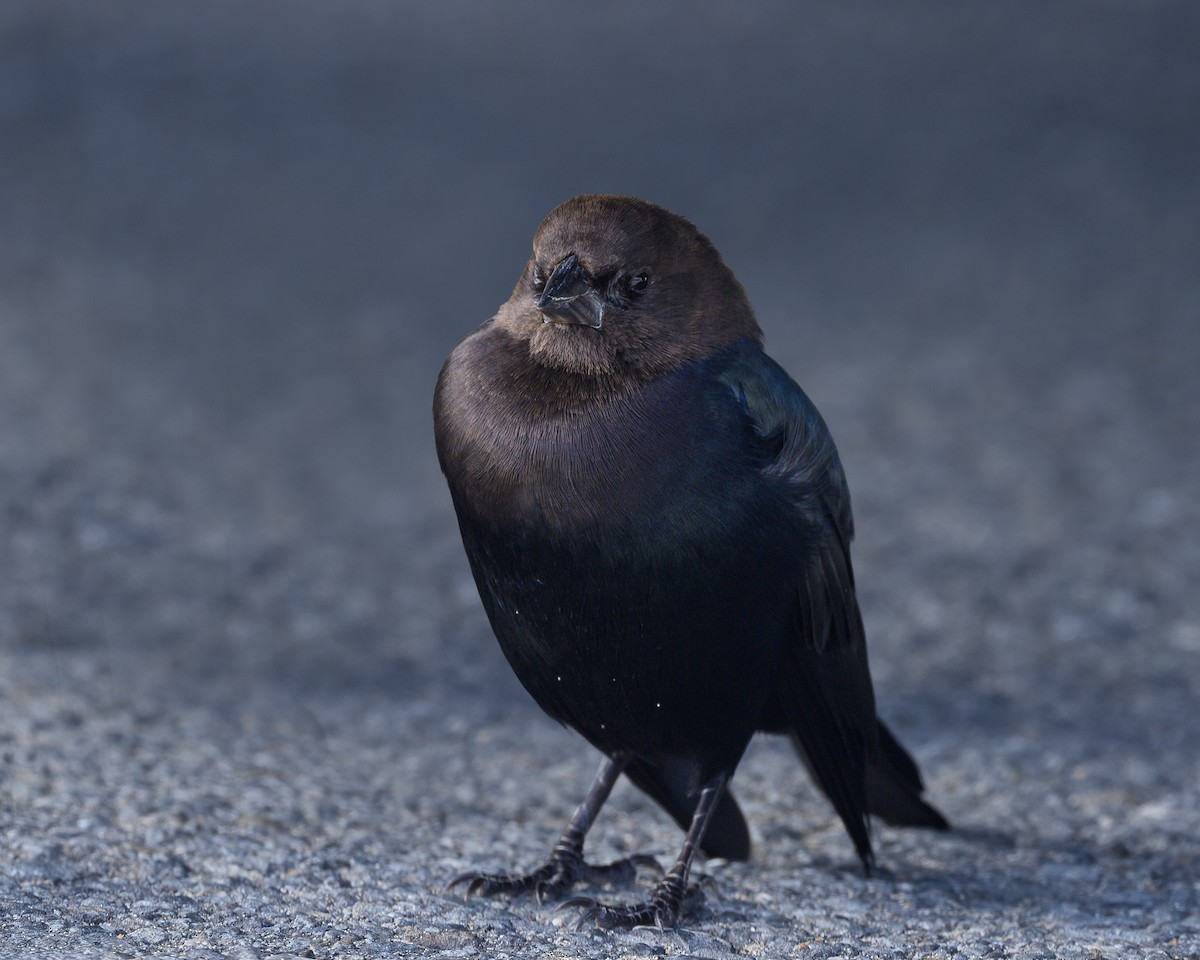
[894,787]
[726,835]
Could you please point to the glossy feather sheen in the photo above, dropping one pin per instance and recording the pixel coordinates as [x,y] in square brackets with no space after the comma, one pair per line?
[603,555]
[661,543]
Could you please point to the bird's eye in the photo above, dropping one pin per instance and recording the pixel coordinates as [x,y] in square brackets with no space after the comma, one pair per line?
[537,281]
[637,283]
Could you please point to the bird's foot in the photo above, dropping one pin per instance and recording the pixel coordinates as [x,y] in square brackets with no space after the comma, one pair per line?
[670,901]
[555,877]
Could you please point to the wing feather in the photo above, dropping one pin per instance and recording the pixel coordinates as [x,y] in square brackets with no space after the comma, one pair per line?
[825,687]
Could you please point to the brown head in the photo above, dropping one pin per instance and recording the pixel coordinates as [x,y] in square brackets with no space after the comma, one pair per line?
[620,287]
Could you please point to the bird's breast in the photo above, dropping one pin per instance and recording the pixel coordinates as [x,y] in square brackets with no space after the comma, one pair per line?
[561,461]
[630,553]
[573,472]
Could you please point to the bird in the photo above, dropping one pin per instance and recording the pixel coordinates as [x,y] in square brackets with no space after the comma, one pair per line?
[659,527]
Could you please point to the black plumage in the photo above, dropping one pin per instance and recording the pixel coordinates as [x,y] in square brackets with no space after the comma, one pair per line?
[659,527]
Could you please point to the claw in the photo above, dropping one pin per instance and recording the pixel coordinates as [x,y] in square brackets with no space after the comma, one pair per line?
[576,902]
[486,884]
[592,911]
[669,902]
[592,915]
[589,906]
[661,912]
[554,878]
[471,877]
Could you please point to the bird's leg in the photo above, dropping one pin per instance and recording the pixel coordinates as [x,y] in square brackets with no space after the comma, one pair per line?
[674,894]
[566,866]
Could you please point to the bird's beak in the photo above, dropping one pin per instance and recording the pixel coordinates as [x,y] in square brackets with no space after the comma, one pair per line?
[569,298]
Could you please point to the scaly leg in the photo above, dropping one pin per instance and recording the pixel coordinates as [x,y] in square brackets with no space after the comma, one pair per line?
[566,865]
[673,895]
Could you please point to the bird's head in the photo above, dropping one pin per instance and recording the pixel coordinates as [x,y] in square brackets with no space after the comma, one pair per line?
[618,286]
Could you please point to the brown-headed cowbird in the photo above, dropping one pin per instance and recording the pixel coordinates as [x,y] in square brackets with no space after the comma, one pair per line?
[659,528]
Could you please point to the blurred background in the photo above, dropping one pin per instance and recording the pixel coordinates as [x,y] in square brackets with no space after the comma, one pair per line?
[237,240]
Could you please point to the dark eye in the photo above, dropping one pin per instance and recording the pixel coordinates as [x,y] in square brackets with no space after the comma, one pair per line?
[637,283]
[537,281]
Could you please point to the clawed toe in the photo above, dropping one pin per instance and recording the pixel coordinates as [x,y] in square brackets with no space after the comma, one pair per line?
[553,887]
[584,903]
[489,884]
[662,910]
[648,914]
[553,879]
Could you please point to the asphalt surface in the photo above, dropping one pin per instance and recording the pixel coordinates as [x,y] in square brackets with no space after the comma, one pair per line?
[249,704]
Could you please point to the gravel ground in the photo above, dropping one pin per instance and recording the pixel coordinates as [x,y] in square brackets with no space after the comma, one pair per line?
[249,704]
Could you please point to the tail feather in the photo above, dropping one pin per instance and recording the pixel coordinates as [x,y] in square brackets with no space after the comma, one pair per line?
[894,787]
[726,835]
